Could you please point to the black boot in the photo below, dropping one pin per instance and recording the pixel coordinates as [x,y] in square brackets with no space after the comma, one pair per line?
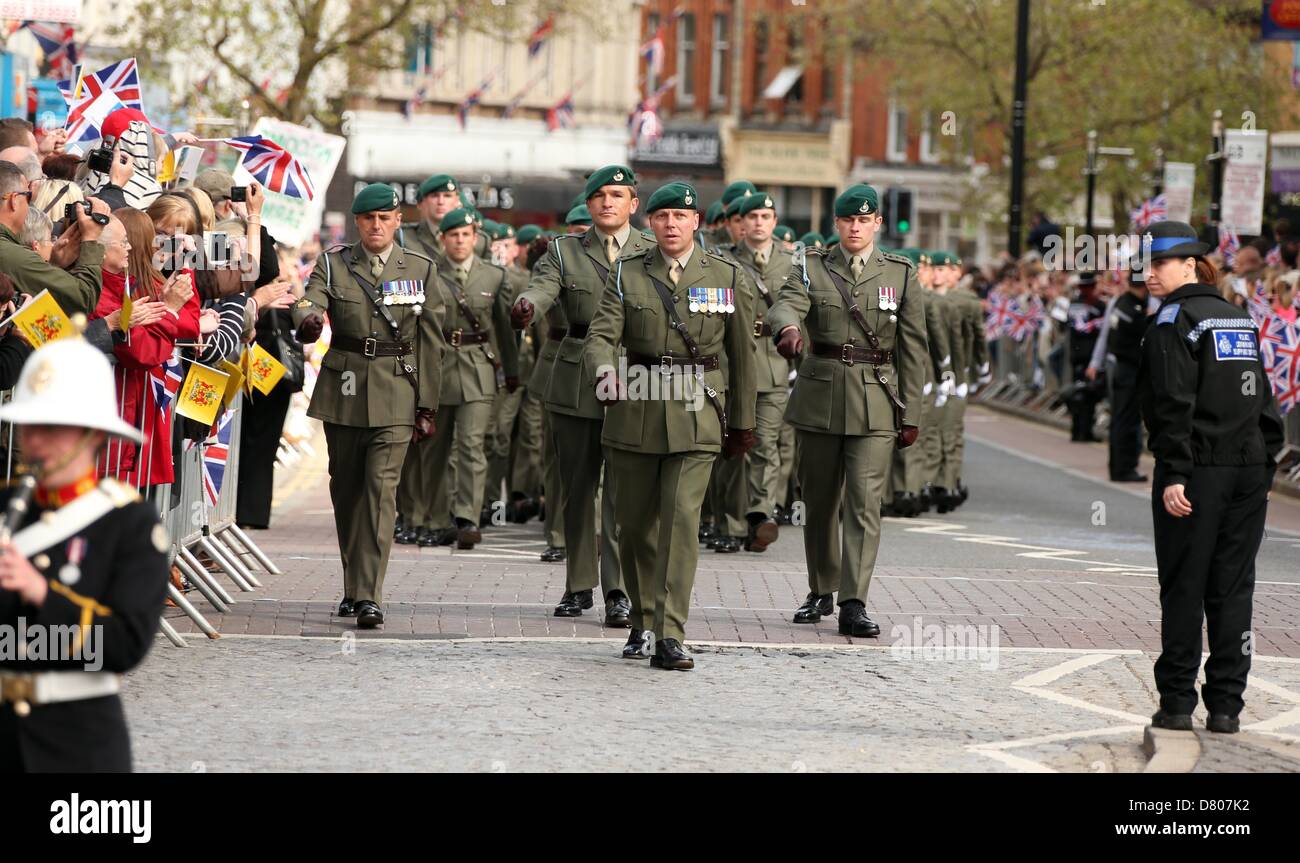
[854,621]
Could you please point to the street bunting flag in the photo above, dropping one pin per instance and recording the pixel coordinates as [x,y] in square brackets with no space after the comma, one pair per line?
[560,115]
[538,39]
[58,44]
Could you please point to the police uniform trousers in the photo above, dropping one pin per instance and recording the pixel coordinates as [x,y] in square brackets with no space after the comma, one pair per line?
[848,470]
[953,435]
[729,493]
[529,454]
[581,456]
[1082,404]
[554,520]
[259,443]
[1125,418]
[415,490]
[763,462]
[1206,564]
[84,736]
[365,465]
[459,461]
[500,434]
[658,512]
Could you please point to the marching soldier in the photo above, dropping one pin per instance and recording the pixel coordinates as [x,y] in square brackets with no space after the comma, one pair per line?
[732,226]
[378,386]
[975,351]
[572,275]
[677,310]
[436,197]
[856,398]
[813,240]
[481,356]
[945,452]
[88,557]
[768,266]
[500,440]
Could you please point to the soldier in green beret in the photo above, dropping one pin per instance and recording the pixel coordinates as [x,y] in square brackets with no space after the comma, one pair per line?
[713,217]
[965,326]
[833,240]
[525,235]
[379,384]
[571,278]
[578,219]
[436,197]
[729,234]
[857,396]
[784,234]
[813,240]
[678,311]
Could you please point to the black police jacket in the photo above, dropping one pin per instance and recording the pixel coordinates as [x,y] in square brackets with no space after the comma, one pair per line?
[1128,323]
[1205,396]
[1084,322]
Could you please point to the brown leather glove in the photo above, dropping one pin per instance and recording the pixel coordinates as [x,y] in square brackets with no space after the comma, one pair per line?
[737,442]
[610,389]
[424,426]
[310,329]
[907,436]
[521,314]
[790,343]
[512,383]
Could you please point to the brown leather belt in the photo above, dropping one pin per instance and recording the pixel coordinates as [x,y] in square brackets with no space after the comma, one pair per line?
[556,333]
[370,347]
[762,329]
[578,331]
[459,337]
[849,354]
[670,363]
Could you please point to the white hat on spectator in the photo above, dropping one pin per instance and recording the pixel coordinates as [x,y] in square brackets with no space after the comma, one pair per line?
[68,383]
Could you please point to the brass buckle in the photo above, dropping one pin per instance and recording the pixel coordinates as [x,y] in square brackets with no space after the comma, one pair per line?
[846,355]
[369,347]
[455,337]
[666,365]
[17,688]
[758,329]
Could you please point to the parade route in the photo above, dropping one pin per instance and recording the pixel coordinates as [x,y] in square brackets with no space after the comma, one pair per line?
[1016,635]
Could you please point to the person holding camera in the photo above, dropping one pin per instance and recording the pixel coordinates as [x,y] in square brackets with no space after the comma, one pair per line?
[72,276]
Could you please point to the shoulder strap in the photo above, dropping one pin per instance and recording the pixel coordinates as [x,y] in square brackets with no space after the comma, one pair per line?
[475,327]
[371,294]
[856,313]
[758,281]
[67,521]
[666,297]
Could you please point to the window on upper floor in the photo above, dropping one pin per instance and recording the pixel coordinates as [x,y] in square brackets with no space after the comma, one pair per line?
[719,74]
[686,58]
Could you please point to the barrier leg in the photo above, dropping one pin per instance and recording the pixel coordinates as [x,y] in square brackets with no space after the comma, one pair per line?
[265,562]
[171,633]
[184,605]
[213,592]
[236,570]
[223,541]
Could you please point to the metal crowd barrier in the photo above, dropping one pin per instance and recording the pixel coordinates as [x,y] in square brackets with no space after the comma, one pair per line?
[1024,385]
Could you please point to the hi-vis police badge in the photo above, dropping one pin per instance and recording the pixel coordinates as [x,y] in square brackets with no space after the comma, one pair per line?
[1235,345]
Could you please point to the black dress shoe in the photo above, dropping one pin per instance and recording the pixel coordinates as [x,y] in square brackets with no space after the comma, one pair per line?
[347,608]
[941,499]
[1171,721]
[468,536]
[670,656]
[1222,723]
[524,509]
[954,499]
[963,490]
[554,554]
[815,607]
[1131,476]
[707,531]
[408,536]
[727,544]
[638,644]
[445,535]
[368,615]
[927,497]
[426,537]
[782,515]
[398,526]
[618,609]
[572,604]
[762,534]
[855,623]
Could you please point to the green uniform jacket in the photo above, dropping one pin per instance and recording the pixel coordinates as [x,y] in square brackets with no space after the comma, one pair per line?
[952,312]
[773,370]
[937,335]
[468,374]
[830,396]
[568,276]
[75,289]
[632,315]
[364,392]
[977,346]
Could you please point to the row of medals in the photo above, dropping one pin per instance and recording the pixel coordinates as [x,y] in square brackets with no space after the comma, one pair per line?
[711,307]
[404,299]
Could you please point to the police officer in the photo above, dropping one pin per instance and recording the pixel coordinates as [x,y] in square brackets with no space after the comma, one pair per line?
[1127,323]
[481,356]
[572,275]
[88,558]
[677,310]
[768,265]
[857,396]
[1083,324]
[1214,430]
[378,386]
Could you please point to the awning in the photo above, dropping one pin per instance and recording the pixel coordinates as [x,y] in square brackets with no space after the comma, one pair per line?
[782,83]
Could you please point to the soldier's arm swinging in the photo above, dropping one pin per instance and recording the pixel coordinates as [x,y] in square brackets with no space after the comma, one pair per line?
[543,288]
[789,310]
[505,334]
[606,331]
[911,350]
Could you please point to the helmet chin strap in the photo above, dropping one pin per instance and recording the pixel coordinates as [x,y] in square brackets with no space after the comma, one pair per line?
[70,456]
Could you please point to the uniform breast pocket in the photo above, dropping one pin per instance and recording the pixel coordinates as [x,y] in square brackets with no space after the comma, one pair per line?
[350,315]
[642,321]
[825,313]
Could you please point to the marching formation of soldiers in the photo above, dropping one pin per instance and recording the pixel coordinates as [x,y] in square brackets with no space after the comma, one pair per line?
[701,381]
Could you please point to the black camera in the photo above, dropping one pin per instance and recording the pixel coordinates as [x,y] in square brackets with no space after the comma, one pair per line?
[100,159]
[238,194]
[70,214]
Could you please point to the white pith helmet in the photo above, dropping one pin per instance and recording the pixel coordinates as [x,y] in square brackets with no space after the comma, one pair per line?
[68,383]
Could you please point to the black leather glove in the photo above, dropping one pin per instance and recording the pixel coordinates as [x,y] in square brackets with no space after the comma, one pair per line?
[790,343]
[512,383]
[737,442]
[521,314]
[907,436]
[310,329]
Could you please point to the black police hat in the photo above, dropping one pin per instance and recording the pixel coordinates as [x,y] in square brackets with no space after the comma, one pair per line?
[1172,240]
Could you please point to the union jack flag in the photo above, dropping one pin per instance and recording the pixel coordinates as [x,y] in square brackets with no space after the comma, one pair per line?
[85,128]
[1026,319]
[1151,210]
[216,449]
[540,35]
[165,383]
[998,319]
[652,51]
[121,78]
[1258,303]
[475,96]
[274,167]
[1229,244]
[560,116]
[57,43]
[1274,256]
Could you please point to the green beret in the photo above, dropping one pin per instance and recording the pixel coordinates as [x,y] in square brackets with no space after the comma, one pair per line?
[376,196]
[943,259]
[437,183]
[913,255]
[579,215]
[832,240]
[610,175]
[527,234]
[578,201]
[813,240]
[784,233]
[859,200]
[503,232]
[738,189]
[457,218]
[713,213]
[674,196]
[756,201]
[489,227]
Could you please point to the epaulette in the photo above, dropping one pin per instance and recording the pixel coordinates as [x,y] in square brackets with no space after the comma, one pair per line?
[635,253]
[421,255]
[897,258]
[813,250]
[1168,313]
[119,492]
[723,259]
